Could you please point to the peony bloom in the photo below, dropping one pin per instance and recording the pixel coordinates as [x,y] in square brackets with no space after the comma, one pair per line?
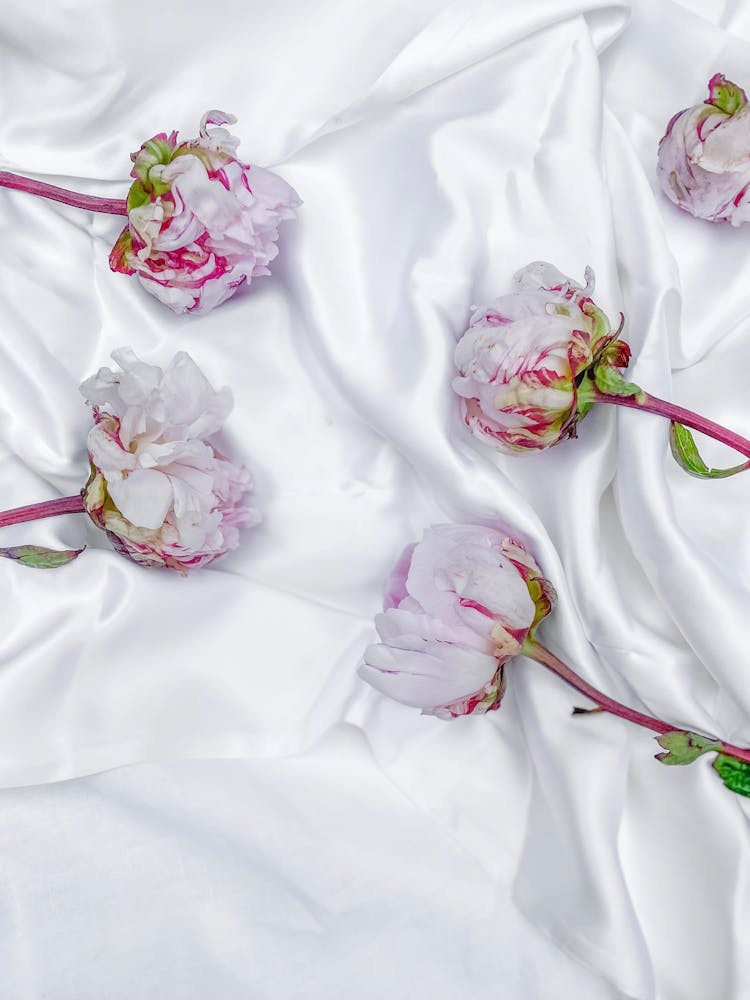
[158,486]
[458,605]
[200,222]
[704,157]
[522,359]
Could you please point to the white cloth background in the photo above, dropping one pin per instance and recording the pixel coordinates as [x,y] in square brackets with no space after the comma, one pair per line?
[357,849]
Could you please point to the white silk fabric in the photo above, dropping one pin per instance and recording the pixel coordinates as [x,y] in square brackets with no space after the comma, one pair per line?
[437,146]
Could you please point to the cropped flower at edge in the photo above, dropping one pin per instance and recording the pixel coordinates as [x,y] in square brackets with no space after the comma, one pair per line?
[464,601]
[158,486]
[703,161]
[458,605]
[200,222]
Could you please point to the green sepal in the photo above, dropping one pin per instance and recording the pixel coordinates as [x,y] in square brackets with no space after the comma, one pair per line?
[542,593]
[137,196]
[686,454]
[585,395]
[39,557]
[684,747]
[734,773]
[725,95]
[610,381]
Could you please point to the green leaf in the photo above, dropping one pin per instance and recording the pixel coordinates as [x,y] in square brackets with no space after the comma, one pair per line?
[687,456]
[609,380]
[39,557]
[684,747]
[734,773]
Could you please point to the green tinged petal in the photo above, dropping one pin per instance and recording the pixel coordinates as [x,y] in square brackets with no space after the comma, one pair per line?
[121,253]
[137,196]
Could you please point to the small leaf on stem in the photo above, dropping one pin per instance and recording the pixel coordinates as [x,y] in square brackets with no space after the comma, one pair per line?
[684,747]
[39,557]
[734,773]
[686,454]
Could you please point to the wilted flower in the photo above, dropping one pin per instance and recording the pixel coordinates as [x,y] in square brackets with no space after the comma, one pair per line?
[458,605]
[521,360]
[160,489]
[704,157]
[200,222]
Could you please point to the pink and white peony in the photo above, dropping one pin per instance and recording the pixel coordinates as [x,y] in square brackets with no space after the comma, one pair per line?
[200,222]
[458,605]
[521,360]
[158,486]
[704,158]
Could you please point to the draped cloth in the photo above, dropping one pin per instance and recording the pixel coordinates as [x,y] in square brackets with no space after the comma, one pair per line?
[276,828]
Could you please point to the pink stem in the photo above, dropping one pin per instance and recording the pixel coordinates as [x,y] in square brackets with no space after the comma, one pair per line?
[536,651]
[92,203]
[49,508]
[652,404]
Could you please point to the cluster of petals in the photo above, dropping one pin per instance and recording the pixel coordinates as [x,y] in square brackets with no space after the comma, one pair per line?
[200,222]
[458,605]
[158,486]
[704,158]
[521,359]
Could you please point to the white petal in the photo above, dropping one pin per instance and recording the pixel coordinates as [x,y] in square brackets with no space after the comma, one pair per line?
[144,497]
[425,681]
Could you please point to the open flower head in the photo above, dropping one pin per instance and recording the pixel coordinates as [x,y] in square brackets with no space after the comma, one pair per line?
[458,605]
[522,359]
[158,486]
[200,222]
[703,163]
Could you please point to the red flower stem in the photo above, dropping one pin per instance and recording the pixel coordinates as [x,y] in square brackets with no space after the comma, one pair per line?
[652,404]
[89,202]
[536,651]
[49,508]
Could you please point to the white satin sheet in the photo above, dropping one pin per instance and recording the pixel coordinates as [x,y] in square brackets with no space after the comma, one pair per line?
[354,848]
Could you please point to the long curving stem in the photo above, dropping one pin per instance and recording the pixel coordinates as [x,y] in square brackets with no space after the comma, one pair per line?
[89,202]
[652,404]
[536,651]
[48,508]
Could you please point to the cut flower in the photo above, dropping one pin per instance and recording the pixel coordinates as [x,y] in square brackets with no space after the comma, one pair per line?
[158,486]
[521,360]
[200,222]
[457,606]
[532,365]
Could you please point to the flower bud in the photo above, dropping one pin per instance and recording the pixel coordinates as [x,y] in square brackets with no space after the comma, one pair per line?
[704,158]
[158,486]
[200,222]
[458,605]
[521,360]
